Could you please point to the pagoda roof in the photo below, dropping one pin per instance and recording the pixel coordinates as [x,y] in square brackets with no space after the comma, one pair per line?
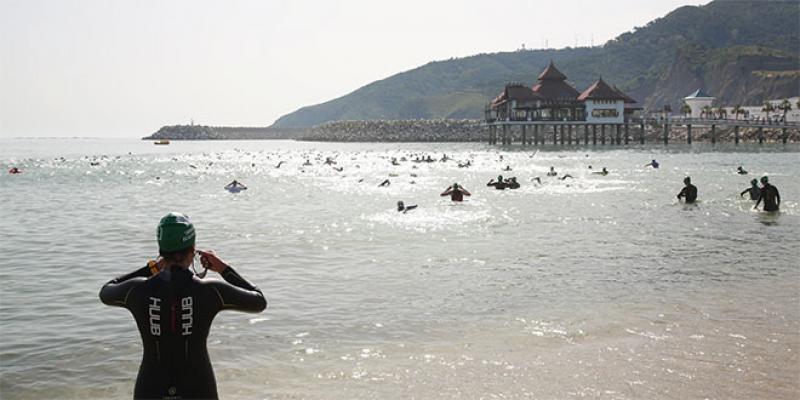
[516,92]
[628,99]
[699,93]
[601,91]
[552,73]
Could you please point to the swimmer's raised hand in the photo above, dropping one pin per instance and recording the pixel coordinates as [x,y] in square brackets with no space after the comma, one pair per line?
[210,260]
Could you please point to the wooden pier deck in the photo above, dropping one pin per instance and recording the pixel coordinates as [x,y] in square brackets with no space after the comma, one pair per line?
[573,132]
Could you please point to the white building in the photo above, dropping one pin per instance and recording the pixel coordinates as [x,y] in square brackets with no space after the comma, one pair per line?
[751,113]
[697,101]
[604,105]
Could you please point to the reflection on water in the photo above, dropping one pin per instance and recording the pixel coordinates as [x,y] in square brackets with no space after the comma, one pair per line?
[597,286]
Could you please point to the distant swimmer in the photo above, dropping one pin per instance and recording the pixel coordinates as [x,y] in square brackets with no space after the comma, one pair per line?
[402,207]
[456,192]
[444,158]
[235,187]
[466,164]
[689,191]
[754,190]
[769,194]
[339,169]
[14,170]
[499,184]
[385,183]
[329,161]
[307,163]
[604,172]
[552,172]
[537,179]
[512,183]
[507,168]
[741,171]
[652,163]
[279,164]
[567,176]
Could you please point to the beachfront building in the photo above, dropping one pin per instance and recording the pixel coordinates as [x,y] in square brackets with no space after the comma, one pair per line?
[699,102]
[553,99]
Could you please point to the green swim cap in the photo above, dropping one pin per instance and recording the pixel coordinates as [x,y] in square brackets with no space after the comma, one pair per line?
[687,179]
[754,181]
[764,179]
[175,232]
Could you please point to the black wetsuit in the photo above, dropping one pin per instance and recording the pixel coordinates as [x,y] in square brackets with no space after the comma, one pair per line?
[754,192]
[689,192]
[768,195]
[500,185]
[174,311]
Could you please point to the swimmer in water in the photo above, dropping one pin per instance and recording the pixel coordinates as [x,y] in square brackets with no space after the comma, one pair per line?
[512,183]
[741,171]
[402,207]
[652,163]
[14,170]
[689,191]
[566,176]
[552,172]
[499,184]
[456,192]
[279,164]
[604,172]
[537,179]
[385,183]
[235,186]
[754,190]
[307,163]
[769,194]
[174,310]
[507,168]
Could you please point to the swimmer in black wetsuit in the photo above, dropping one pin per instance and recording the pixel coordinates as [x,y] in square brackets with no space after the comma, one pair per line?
[552,172]
[689,191]
[652,163]
[385,183]
[769,194]
[499,184]
[456,192]
[741,171]
[174,309]
[753,190]
[402,207]
[512,183]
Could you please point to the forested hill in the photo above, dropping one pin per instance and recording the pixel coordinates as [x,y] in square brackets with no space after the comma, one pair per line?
[740,51]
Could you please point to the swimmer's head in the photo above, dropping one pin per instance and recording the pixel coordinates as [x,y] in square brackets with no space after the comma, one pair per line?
[687,180]
[499,178]
[455,186]
[764,179]
[176,236]
[754,181]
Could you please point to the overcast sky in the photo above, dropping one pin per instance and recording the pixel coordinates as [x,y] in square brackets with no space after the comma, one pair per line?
[117,68]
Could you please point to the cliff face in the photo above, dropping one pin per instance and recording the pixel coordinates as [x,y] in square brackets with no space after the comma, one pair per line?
[738,75]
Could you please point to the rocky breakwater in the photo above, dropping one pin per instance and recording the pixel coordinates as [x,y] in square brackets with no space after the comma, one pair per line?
[203,132]
[418,130]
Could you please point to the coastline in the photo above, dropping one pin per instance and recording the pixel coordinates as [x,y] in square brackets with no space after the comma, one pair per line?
[445,131]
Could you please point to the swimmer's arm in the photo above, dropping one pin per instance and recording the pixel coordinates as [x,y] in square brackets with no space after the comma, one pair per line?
[115,292]
[447,192]
[758,201]
[465,192]
[743,192]
[682,193]
[239,294]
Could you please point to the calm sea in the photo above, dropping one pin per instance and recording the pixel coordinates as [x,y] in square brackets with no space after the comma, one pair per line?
[594,287]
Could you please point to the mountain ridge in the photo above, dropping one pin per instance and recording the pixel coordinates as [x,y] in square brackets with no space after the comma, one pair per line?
[640,62]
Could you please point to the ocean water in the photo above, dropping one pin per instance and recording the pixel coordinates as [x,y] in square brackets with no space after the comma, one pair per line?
[594,287]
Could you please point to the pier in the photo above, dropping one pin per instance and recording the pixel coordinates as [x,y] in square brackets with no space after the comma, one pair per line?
[531,132]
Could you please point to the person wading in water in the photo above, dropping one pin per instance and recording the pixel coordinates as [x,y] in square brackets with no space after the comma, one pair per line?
[174,309]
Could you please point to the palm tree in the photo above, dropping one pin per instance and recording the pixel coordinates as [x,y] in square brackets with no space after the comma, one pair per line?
[767,108]
[686,109]
[785,106]
[737,109]
[722,112]
[706,112]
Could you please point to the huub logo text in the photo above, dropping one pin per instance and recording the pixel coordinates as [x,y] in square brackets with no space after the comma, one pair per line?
[155,316]
[186,316]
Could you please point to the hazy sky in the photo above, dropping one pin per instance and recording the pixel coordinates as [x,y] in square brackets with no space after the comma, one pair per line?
[125,68]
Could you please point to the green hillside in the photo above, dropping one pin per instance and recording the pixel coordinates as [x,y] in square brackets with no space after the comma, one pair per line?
[692,46]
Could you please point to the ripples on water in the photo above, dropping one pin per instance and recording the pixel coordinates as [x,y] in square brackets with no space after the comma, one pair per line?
[597,286]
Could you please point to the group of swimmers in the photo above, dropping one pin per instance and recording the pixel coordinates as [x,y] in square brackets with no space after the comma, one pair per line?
[767,193]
